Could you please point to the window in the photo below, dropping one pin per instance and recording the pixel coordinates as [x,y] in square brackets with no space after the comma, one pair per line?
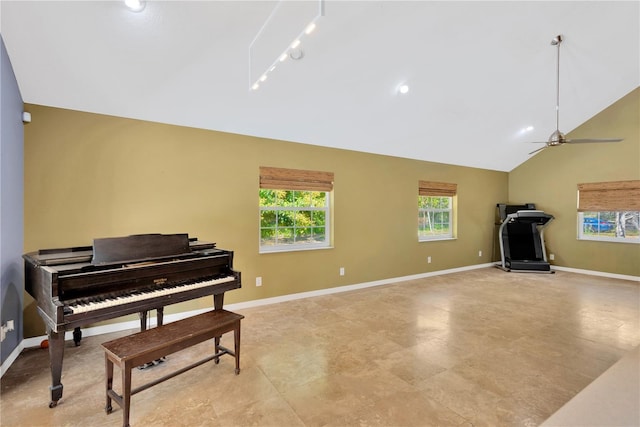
[609,211]
[435,210]
[294,209]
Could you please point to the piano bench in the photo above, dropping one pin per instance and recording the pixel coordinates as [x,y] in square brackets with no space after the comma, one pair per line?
[137,349]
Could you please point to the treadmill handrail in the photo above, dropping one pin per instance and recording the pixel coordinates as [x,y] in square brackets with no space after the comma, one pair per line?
[525,214]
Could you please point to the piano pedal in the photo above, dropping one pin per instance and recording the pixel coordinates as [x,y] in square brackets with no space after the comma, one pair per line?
[77,336]
[152,364]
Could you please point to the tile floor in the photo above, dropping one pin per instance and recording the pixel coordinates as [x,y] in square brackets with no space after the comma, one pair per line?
[481,348]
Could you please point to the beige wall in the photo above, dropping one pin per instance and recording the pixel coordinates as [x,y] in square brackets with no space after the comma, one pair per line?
[89,175]
[549,179]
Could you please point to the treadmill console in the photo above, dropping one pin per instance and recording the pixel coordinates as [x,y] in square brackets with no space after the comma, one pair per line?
[503,210]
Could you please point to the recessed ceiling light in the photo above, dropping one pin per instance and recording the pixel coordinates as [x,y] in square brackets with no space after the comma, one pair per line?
[135,5]
[403,88]
[525,130]
[292,51]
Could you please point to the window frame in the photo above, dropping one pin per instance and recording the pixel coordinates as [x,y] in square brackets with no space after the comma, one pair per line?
[296,180]
[598,238]
[426,211]
[438,189]
[287,247]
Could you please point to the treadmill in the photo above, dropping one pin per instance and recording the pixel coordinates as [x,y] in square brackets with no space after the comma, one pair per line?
[521,237]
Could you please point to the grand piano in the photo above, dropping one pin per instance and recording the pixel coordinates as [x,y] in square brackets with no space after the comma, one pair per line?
[117,276]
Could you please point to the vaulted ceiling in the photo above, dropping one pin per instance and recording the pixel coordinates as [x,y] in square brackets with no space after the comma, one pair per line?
[478,72]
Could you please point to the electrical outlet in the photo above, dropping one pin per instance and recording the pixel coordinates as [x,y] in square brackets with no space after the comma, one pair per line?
[552,257]
[479,253]
[258,281]
[342,271]
[428,260]
[7,327]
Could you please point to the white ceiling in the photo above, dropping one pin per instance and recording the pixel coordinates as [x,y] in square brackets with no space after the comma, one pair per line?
[478,71]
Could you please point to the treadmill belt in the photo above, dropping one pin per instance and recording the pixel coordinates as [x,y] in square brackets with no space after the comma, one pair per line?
[522,241]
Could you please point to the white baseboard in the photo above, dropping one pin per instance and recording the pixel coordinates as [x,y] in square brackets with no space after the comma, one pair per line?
[12,357]
[597,273]
[134,324]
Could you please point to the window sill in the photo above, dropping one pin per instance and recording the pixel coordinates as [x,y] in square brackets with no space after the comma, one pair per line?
[608,240]
[262,251]
[436,239]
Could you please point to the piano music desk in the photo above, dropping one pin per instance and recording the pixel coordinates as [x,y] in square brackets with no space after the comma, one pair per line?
[134,350]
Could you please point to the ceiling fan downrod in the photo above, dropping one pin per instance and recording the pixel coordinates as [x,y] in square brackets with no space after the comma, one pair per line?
[557,137]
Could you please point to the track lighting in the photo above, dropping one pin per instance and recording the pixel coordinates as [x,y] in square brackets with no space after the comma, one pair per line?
[282,37]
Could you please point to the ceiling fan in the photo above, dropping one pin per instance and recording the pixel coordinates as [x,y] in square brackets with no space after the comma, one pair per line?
[557,137]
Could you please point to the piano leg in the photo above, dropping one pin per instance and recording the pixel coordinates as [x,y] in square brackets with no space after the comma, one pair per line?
[218,302]
[160,315]
[56,354]
[143,320]
[77,336]
[143,327]
[145,314]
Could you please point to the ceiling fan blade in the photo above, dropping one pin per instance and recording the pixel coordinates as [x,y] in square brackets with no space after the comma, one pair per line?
[539,149]
[585,140]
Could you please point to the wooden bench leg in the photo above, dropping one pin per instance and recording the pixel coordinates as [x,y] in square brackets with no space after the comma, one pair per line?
[216,349]
[126,394]
[109,369]
[236,346]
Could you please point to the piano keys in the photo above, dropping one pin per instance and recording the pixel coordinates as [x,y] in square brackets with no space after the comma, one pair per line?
[74,287]
[112,300]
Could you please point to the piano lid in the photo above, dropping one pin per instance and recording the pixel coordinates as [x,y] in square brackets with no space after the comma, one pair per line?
[139,247]
[82,257]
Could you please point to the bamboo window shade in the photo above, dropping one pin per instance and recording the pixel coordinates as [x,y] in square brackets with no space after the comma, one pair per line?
[295,179]
[609,196]
[441,189]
